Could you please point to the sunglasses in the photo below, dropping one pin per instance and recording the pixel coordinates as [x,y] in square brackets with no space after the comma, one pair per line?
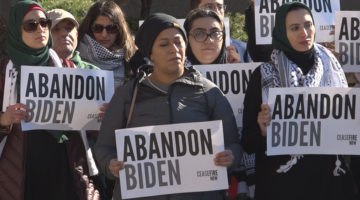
[31,25]
[111,29]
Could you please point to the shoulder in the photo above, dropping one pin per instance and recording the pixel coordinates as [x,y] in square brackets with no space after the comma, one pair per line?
[238,44]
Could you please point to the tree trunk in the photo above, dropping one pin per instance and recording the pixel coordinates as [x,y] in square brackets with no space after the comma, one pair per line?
[145,8]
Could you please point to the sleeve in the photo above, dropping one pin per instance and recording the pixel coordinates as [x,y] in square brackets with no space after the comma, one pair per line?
[252,139]
[258,53]
[221,110]
[114,118]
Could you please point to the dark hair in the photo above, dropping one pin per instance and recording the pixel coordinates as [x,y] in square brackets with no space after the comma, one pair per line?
[194,4]
[113,11]
[200,13]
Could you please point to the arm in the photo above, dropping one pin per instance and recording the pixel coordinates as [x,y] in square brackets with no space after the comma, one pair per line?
[258,53]
[105,147]
[252,140]
[221,110]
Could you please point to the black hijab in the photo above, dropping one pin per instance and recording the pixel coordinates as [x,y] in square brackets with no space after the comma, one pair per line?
[199,13]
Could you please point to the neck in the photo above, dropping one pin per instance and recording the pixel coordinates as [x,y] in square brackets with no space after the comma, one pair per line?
[164,78]
[65,55]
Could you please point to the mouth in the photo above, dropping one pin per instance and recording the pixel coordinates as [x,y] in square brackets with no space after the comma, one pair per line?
[65,42]
[305,42]
[175,59]
[208,48]
[42,37]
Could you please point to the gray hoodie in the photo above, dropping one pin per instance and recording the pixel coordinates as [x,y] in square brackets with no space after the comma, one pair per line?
[191,98]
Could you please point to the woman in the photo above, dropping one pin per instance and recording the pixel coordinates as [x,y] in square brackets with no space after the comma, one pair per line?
[206,33]
[105,40]
[37,164]
[312,176]
[210,49]
[162,40]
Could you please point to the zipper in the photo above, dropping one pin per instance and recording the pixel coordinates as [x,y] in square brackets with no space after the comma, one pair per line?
[168,101]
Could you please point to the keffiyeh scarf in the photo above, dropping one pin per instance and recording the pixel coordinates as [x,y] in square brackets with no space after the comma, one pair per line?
[282,72]
[93,52]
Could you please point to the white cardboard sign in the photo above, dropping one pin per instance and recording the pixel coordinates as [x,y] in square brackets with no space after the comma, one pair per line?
[64,98]
[232,79]
[168,159]
[227,28]
[347,39]
[314,121]
[323,12]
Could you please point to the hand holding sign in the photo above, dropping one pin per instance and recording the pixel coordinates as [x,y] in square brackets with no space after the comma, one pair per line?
[103,109]
[115,166]
[232,56]
[224,158]
[14,114]
[264,118]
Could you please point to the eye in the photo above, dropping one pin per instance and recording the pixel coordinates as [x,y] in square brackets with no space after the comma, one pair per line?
[295,28]
[164,44]
[199,34]
[308,25]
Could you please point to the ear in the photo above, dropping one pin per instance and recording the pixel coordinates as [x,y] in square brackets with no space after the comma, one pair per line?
[77,34]
[151,58]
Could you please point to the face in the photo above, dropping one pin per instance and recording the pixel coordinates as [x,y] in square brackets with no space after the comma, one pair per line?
[64,36]
[40,37]
[206,52]
[104,38]
[168,52]
[300,30]
[216,2]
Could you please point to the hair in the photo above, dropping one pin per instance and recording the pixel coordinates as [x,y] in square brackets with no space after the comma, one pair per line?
[200,13]
[113,11]
[298,7]
[194,4]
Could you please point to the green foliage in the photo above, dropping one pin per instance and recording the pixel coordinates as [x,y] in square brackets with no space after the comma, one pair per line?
[237,23]
[133,24]
[78,8]
[2,37]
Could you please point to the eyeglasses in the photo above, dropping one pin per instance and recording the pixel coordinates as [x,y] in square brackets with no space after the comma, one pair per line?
[212,6]
[111,29]
[200,36]
[31,25]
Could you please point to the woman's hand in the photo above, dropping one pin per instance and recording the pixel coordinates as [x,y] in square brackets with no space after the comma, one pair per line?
[14,114]
[233,56]
[224,158]
[264,118]
[103,109]
[115,166]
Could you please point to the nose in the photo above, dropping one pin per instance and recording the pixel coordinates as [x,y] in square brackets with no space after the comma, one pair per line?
[208,39]
[64,32]
[304,33]
[104,33]
[40,28]
[174,48]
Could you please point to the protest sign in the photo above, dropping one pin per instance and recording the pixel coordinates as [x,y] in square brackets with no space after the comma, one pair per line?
[347,39]
[314,121]
[323,12]
[226,23]
[63,98]
[232,80]
[168,159]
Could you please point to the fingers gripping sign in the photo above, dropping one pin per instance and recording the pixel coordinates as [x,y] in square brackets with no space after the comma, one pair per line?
[14,114]
[264,118]
[224,158]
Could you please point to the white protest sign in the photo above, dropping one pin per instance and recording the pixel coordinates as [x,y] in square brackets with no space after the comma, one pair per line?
[232,80]
[323,12]
[226,23]
[168,159]
[347,39]
[64,98]
[314,121]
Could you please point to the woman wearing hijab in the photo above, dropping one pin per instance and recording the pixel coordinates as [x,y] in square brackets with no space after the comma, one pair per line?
[161,88]
[206,33]
[300,63]
[35,164]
